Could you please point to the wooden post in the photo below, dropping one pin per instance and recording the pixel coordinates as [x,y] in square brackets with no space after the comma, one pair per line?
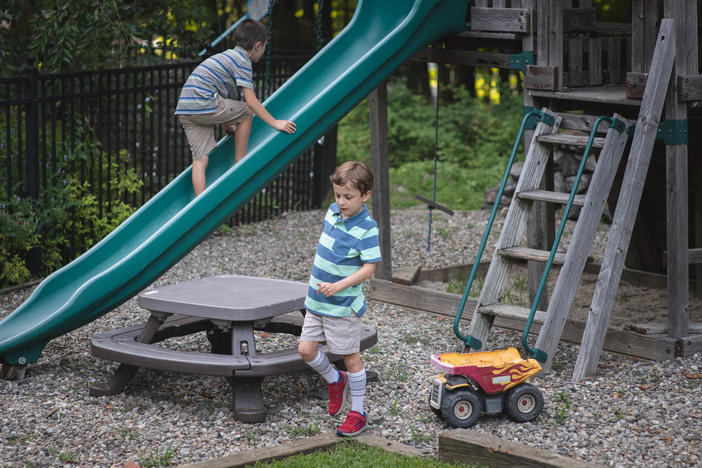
[684,13]
[541,222]
[628,204]
[378,103]
[555,43]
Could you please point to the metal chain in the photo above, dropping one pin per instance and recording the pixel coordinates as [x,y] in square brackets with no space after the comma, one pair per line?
[320,26]
[267,75]
[436,161]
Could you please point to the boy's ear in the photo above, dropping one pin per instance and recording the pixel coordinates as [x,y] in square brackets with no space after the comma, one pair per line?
[366,196]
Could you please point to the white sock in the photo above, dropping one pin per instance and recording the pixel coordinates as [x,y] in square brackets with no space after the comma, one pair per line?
[322,365]
[357,386]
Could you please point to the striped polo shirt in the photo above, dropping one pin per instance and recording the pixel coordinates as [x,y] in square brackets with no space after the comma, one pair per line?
[216,75]
[344,246]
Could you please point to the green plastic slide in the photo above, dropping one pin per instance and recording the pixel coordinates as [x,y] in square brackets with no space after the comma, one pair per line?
[381,35]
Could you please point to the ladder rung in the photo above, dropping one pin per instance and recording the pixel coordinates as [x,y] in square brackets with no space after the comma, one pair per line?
[551,197]
[525,253]
[563,139]
[511,312]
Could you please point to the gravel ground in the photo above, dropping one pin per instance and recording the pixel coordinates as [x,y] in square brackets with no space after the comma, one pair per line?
[633,413]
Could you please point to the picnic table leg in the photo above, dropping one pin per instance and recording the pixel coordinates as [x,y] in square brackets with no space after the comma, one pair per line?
[125,372]
[248,400]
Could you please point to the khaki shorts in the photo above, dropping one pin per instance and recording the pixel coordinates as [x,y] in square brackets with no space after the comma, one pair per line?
[342,334]
[199,128]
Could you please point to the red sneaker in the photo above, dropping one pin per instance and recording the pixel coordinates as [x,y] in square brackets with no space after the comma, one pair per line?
[355,424]
[337,393]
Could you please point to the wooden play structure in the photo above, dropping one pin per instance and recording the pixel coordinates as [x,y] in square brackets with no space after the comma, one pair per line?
[634,89]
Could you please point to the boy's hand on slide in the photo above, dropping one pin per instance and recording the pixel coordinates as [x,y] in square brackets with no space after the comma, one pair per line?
[286,126]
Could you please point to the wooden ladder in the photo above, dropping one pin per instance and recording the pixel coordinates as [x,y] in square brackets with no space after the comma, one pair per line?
[509,249]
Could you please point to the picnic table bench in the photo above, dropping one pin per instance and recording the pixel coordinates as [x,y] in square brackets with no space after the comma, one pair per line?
[228,308]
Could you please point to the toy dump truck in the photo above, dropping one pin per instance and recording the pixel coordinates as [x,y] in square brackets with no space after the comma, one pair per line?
[487,382]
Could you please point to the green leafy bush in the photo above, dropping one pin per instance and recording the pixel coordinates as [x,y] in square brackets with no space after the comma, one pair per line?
[65,220]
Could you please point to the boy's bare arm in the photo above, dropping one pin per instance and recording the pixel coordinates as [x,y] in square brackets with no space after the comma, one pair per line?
[255,105]
[365,272]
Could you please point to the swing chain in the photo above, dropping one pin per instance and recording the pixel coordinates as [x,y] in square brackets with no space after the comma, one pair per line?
[436,162]
[320,25]
[267,74]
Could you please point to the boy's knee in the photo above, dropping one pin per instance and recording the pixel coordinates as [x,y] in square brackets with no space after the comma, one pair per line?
[201,163]
[307,350]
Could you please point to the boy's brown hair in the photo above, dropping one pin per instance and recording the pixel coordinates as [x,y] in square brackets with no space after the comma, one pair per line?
[356,173]
[249,32]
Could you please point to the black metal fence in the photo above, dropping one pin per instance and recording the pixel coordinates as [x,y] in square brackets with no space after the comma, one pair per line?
[82,126]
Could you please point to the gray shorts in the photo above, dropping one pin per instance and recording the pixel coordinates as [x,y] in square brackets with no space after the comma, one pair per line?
[342,334]
[199,128]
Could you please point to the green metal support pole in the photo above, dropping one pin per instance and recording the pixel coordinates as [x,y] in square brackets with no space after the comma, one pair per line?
[471,341]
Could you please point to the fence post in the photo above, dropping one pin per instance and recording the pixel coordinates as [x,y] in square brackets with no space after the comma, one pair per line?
[32,141]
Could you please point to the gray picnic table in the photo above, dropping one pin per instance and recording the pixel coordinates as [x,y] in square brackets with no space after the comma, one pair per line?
[228,308]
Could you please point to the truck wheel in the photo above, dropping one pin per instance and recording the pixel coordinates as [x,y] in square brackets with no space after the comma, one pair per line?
[524,402]
[461,408]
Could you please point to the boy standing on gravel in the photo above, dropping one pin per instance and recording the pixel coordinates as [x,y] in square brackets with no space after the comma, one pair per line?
[347,252]
[209,98]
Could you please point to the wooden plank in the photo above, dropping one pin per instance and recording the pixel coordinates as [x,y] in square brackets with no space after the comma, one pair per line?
[690,88]
[628,204]
[555,33]
[564,139]
[575,75]
[543,37]
[578,19]
[635,84]
[496,36]
[594,56]
[500,19]
[615,60]
[581,242]
[513,229]
[613,29]
[476,448]
[662,328]
[527,253]
[691,345]
[638,37]
[449,273]
[581,122]
[513,312]
[541,77]
[528,40]
[323,441]
[650,24]
[417,297]
[433,204]
[388,445]
[267,454]
[405,275]
[551,197]
[676,179]
[606,95]
[654,347]
[378,120]
[464,57]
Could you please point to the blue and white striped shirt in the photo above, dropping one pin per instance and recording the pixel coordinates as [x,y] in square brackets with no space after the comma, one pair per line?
[344,246]
[216,75]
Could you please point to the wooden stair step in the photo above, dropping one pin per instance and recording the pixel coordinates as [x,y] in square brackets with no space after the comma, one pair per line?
[526,253]
[564,139]
[551,197]
[510,311]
